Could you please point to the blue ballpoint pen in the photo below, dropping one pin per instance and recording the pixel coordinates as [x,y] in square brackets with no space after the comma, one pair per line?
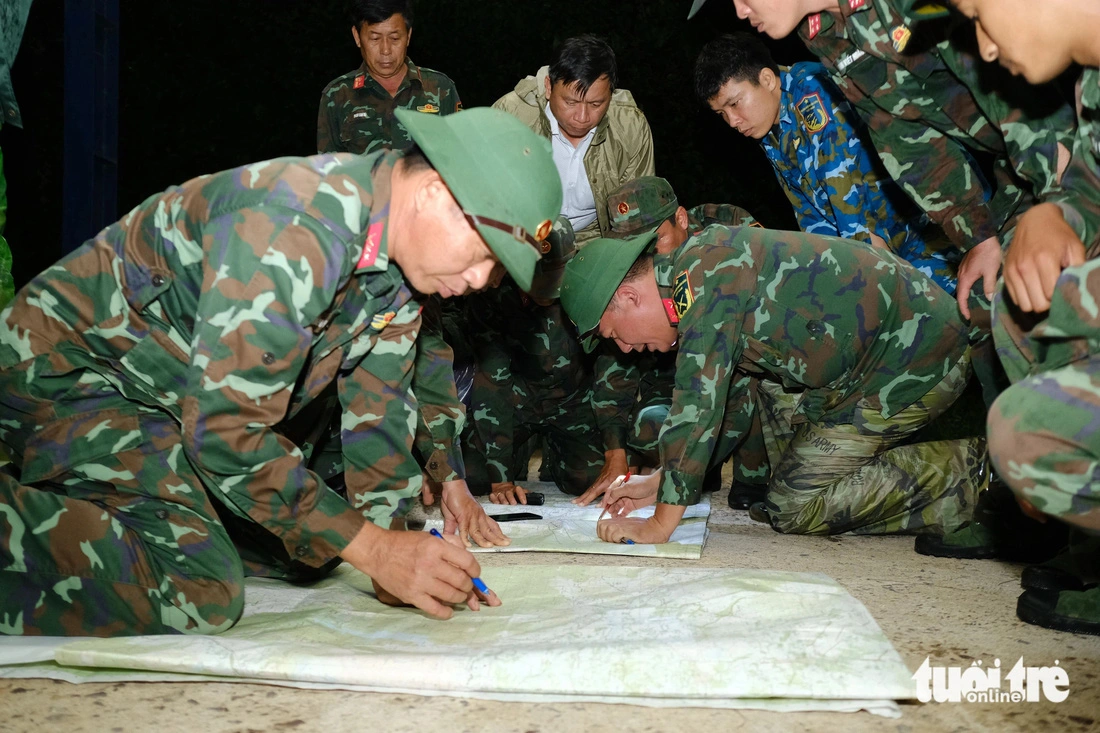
[477,581]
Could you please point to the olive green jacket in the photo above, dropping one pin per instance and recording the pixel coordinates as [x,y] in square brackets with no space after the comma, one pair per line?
[621,150]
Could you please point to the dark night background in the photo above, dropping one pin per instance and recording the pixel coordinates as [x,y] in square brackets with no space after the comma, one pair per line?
[207,85]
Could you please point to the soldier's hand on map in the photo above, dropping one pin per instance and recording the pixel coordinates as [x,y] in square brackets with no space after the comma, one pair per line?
[655,530]
[507,493]
[415,568]
[624,496]
[462,512]
[980,263]
[614,465]
[1044,245]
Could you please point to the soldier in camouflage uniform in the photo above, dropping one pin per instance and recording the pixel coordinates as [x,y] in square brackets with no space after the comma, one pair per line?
[1042,431]
[146,378]
[870,348]
[632,393]
[931,110]
[814,141]
[531,386]
[357,109]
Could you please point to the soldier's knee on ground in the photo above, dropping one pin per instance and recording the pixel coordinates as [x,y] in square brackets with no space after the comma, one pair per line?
[1040,455]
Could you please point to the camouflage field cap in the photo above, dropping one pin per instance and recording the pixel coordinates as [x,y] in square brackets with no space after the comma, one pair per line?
[695,7]
[593,275]
[557,250]
[640,206]
[502,175]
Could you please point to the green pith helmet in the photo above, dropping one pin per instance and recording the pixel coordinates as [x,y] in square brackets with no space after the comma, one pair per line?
[640,206]
[924,9]
[593,275]
[501,174]
[695,7]
[557,250]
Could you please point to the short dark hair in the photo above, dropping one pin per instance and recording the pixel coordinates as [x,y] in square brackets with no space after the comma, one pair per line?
[737,56]
[582,60]
[415,160]
[377,11]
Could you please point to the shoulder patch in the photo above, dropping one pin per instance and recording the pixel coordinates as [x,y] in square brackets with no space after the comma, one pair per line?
[682,295]
[360,81]
[429,108]
[813,112]
[900,37]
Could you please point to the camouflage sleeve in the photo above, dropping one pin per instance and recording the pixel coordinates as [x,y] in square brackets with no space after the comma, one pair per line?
[724,214]
[491,397]
[264,286]
[709,349]
[379,420]
[806,212]
[937,175]
[1079,195]
[614,391]
[1033,118]
[449,101]
[441,415]
[328,126]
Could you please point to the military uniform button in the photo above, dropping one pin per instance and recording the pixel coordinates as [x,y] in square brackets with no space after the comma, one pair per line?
[161,514]
[433,465]
[268,358]
[301,550]
[815,328]
[158,280]
[11,113]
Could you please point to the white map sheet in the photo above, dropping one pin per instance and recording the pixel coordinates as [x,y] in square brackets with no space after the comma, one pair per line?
[566,527]
[643,636]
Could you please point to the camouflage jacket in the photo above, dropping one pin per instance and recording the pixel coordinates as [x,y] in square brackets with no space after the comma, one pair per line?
[527,356]
[920,114]
[356,114]
[1079,196]
[620,377]
[850,325]
[1070,331]
[834,182]
[231,302]
[621,150]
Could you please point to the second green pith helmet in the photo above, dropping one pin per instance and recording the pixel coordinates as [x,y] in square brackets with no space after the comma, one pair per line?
[557,250]
[502,175]
[640,206]
[593,276]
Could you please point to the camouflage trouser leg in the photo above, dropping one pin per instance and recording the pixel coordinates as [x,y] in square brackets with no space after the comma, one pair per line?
[573,450]
[123,542]
[830,478]
[1044,440]
[643,446]
[939,260]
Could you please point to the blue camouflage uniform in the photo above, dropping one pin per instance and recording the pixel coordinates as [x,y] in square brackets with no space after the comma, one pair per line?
[834,180]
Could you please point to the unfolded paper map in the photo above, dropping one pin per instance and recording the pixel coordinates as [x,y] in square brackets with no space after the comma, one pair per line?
[566,527]
[644,636]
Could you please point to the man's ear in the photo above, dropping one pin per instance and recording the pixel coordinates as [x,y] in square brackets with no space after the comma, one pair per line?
[767,79]
[549,86]
[355,35]
[681,217]
[410,39]
[627,296]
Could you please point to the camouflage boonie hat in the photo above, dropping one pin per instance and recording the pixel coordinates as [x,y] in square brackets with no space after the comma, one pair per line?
[593,276]
[502,175]
[557,249]
[640,206]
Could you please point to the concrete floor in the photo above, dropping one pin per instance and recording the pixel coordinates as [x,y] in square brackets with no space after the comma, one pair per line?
[952,611]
